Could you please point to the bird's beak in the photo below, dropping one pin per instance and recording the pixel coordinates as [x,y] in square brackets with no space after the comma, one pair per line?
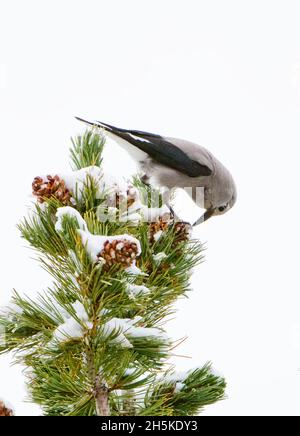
[207,214]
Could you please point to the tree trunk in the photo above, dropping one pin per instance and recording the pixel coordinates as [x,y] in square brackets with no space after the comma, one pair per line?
[101,397]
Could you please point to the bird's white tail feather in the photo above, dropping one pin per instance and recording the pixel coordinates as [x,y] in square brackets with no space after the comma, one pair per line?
[137,154]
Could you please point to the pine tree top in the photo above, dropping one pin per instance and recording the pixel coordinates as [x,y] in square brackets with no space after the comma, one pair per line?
[94,343]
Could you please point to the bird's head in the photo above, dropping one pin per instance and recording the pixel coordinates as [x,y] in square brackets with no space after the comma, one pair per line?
[225,206]
[222,199]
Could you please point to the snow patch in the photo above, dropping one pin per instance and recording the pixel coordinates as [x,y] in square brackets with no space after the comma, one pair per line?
[72,328]
[10,310]
[132,371]
[179,386]
[76,180]
[116,324]
[158,235]
[134,270]
[179,377]
[148,214]
[127,329]
[114,183]
[68,211]
[152,214]
[136,290]
[159,257]
[132,218]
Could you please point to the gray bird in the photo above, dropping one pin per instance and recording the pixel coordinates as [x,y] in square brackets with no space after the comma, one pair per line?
[177,163]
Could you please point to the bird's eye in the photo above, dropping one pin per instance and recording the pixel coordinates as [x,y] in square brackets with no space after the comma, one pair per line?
[222,208]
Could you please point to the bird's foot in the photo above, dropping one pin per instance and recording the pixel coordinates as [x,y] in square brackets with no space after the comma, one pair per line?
[173,215]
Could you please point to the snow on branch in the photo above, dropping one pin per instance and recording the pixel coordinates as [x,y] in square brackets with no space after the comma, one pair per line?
[120,249]
[74,326]
[126,329]
[70,212]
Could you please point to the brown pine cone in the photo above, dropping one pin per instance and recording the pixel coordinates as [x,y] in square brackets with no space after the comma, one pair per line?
[118,252]
[182,232]
[161,224]
[52,187]
[5,411]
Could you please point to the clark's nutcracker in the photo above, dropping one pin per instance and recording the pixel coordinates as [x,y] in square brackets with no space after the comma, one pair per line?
[177,163]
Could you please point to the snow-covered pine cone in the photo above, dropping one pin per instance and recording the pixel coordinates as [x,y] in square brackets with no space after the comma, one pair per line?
[51,187]
[131,196]
[118,252]
[156,227]
[160,225]
[5,411]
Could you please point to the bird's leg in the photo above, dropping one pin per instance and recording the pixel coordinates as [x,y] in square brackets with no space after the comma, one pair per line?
[167,200]
[172,211]
[174,217]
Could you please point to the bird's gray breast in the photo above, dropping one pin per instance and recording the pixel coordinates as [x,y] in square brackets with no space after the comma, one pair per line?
[161,176]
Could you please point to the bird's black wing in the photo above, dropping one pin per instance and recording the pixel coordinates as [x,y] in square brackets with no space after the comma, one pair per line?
[159,149]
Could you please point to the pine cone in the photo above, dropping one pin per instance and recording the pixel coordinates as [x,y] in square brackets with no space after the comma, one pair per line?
[118,252]
[5,411]
[157,226]
[160,225]
[182,232]
[131,196]
[52,187]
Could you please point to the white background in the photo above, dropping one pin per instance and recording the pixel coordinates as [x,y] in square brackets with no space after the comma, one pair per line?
[224,74]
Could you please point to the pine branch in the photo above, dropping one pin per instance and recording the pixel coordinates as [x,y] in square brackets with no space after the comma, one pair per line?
[94,340]
[87,149]
[185,394]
